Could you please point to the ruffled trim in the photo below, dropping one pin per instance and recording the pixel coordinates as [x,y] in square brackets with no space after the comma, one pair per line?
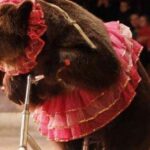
[80,112]
[36,29]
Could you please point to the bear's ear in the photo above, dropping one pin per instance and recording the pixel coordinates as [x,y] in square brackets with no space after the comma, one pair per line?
[23,12]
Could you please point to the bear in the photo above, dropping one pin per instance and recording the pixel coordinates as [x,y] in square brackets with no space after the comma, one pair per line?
[90,68]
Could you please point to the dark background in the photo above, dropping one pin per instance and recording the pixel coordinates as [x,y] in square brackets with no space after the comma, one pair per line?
[133,13]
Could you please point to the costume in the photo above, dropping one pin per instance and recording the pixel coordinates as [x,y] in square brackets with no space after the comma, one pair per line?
[80,112]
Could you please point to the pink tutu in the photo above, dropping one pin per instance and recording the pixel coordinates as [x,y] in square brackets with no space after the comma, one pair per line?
[81,112]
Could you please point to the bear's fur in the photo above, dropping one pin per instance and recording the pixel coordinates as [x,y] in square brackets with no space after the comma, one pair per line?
[89,68]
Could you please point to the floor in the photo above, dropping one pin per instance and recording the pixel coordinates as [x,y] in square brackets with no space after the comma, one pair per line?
[10,133]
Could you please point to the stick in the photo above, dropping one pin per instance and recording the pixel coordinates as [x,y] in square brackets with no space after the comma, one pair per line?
[25,117]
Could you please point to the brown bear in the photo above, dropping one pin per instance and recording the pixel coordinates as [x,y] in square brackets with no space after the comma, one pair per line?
[93,69]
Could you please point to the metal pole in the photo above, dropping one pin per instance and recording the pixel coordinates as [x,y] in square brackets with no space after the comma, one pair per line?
[25,117]
[85,143]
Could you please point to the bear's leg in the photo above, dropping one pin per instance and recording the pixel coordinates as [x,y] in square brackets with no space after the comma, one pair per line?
[131,130]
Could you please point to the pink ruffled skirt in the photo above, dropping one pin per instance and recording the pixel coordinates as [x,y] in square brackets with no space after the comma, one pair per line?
[81,112]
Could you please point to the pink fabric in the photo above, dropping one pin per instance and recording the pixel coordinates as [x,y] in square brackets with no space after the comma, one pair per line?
[36,29]
[78,113]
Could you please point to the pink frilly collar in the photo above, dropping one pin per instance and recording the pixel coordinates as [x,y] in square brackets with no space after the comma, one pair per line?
[36,29]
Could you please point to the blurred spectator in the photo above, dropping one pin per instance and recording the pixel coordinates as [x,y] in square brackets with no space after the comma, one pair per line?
[144,39]
[144,31]
[124,12]
[105,10]
[134,24]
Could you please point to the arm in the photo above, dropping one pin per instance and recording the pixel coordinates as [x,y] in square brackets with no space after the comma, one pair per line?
[93,70]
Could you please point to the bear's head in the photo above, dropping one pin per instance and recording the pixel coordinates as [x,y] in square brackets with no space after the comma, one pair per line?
[14,23]
[13,30]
